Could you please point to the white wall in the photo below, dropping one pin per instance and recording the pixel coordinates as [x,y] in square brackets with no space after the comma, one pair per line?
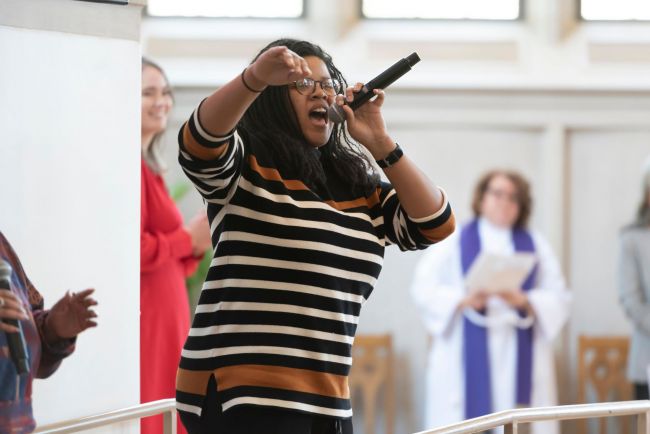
[605,191]
[69,171]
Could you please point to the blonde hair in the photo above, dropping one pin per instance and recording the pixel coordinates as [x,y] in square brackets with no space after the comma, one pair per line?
[153,154]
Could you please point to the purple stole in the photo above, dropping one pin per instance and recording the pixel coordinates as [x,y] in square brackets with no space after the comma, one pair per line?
[478,387]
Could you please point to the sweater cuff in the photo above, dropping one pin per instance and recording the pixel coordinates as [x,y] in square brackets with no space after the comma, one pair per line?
[180,243]
[59,349]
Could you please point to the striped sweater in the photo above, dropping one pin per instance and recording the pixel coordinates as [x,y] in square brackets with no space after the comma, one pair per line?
[278,312]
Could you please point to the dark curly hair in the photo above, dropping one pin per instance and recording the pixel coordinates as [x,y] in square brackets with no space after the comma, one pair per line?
[271,121]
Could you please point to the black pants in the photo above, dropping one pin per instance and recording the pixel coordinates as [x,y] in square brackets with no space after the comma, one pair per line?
[640,391]
[248,419]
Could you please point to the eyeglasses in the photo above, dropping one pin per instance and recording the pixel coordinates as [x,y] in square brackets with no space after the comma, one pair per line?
[306,86]
[500,194]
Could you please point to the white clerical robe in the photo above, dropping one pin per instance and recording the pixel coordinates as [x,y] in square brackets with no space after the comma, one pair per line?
[438,289]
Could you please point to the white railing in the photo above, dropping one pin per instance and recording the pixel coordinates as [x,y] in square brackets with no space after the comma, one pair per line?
[509,419]
[166,407]
[512,419]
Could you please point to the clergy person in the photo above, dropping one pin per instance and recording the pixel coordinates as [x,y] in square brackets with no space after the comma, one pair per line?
[491,352]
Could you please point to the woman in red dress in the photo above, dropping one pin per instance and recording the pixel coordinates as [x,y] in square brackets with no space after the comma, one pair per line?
[169,251]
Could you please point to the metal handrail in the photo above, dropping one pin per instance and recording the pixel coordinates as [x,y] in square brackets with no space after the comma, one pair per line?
[510,419]
[166,407]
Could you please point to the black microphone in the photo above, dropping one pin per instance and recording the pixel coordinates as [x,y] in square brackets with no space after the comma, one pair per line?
[382,81]
[15,340]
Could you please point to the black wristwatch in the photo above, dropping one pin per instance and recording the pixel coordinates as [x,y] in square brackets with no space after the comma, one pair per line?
[391,158]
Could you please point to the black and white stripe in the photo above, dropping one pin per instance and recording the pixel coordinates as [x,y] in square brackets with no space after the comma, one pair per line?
[290,273]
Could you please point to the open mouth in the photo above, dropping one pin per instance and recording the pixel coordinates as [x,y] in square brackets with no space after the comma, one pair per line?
[319,116]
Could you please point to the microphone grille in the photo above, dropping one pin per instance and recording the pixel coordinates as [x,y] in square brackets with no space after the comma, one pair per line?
[5,270]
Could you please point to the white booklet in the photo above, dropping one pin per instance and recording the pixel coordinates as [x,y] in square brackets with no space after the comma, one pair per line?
[494,273]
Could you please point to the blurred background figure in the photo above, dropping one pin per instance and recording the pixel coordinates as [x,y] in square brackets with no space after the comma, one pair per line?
[491,352]
[634,289]
[170,251]
[50,336]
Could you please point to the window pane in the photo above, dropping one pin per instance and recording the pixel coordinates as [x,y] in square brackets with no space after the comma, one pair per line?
[443,9]
[224,8]
[615,10]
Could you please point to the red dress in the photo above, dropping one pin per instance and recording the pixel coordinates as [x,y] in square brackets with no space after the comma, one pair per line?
[165,260]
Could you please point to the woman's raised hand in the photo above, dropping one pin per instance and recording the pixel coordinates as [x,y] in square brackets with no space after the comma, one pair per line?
[278,66]
[366,125]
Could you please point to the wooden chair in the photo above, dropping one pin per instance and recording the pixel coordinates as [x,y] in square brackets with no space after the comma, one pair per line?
[372,371]
[601,366]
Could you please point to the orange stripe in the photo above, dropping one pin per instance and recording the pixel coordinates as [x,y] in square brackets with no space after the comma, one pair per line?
[198,150]
[195,382]
[277,377]
[188,139]
[369,201]
[273,175]
[442,231]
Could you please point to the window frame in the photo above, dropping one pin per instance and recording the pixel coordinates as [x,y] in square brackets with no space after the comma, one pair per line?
[302,16]
[521,17]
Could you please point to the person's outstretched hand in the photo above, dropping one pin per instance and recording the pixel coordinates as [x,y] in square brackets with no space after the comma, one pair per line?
[278,66]
[71,315]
